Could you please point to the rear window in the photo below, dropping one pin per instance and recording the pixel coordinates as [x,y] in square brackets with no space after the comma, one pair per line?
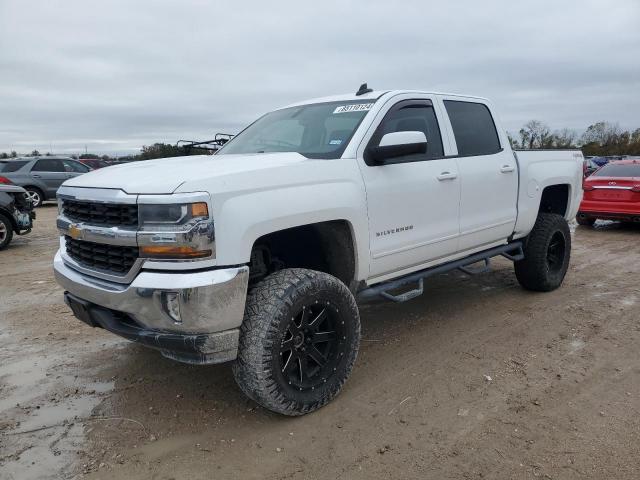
[7,167]
[620,170]
[473,128]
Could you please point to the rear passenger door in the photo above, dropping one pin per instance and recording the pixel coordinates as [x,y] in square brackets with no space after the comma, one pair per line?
[488,175]
[50,173]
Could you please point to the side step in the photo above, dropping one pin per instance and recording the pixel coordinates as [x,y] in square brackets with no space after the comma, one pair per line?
[512,251]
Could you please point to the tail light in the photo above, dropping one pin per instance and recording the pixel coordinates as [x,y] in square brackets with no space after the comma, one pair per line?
[5,180]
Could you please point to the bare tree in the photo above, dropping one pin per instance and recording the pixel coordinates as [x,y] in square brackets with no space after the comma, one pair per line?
[565,138]
[535,134]
[602,133]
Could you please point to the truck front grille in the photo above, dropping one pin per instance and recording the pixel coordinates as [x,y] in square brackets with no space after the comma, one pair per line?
[101,214]
[114,259]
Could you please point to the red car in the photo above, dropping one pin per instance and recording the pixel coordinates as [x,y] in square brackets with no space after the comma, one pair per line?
[93,163]
[612,193]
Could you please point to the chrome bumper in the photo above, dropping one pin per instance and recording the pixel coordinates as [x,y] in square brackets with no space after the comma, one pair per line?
[182,303]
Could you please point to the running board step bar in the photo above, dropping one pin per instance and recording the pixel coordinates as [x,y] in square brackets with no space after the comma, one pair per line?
[512,251]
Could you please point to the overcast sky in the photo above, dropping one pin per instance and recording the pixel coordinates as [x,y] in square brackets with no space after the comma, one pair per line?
[114,75]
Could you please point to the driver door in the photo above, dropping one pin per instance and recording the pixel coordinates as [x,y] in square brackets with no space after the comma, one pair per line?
[413,201]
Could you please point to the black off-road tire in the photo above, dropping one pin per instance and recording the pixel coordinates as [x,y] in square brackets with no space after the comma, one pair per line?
[586,221]
[272,311]
[547,251]
[6,231]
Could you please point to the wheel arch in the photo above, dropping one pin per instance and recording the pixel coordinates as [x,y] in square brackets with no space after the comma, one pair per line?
[556,195]
[555,199]
[328,246]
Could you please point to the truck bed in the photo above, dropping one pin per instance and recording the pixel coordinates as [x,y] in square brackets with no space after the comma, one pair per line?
[534,167]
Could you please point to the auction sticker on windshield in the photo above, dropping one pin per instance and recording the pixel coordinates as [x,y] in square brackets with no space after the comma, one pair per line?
[354,107]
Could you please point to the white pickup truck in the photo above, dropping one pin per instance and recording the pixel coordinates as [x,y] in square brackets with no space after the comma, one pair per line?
[257,254]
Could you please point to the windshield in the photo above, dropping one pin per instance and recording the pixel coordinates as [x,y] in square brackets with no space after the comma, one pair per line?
[619,170]
[320,130]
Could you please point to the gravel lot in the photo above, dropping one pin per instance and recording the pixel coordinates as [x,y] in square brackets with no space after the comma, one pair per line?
[475,379]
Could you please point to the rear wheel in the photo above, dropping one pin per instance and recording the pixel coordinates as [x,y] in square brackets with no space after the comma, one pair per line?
[585,220]
[35,195]
[6,231]
[547,252]
[298,342]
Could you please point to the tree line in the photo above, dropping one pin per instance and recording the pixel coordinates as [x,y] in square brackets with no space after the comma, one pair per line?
[147,152]
[599,139]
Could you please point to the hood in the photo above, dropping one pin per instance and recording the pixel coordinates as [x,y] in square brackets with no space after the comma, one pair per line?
[165,175]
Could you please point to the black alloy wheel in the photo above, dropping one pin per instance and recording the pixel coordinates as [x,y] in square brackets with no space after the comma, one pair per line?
[312,346]
[556,252]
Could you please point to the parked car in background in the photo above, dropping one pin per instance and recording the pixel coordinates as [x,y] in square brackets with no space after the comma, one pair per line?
[599,161]
[590,166]
[612,193]
[41,176]
[16,213]
[93,163]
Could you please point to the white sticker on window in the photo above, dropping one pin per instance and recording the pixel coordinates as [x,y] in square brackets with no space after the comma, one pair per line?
[354,107]
[335,142]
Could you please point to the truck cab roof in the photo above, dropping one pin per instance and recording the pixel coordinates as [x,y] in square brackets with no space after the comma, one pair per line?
[377,94]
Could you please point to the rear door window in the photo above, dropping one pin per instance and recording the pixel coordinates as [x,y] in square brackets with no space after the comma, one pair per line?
[473,128]
[14,166]
[72,166]
[48,165]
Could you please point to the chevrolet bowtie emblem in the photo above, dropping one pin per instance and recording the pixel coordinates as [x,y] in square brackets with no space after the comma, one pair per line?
[75,232]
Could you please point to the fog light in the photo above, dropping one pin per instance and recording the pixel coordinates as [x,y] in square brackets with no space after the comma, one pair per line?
[171,305]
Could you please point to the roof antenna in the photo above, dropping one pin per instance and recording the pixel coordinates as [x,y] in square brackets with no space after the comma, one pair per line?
[363,89]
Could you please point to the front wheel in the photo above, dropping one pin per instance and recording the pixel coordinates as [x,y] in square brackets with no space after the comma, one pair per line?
[298,341]
[547,251]
[6,231]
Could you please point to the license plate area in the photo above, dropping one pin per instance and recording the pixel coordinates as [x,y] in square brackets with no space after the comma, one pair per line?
[615,195]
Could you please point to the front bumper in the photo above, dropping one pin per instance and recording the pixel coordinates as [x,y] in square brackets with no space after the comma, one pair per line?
[208,307]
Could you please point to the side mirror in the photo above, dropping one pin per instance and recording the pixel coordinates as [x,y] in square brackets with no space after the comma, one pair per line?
[399,144]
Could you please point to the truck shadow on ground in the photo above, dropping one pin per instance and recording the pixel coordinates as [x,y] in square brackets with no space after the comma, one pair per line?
[164,389]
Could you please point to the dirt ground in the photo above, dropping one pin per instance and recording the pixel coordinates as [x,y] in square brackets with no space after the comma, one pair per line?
[475,379]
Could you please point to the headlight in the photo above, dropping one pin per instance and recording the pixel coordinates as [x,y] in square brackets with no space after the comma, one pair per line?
[181,231]
[171,216]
